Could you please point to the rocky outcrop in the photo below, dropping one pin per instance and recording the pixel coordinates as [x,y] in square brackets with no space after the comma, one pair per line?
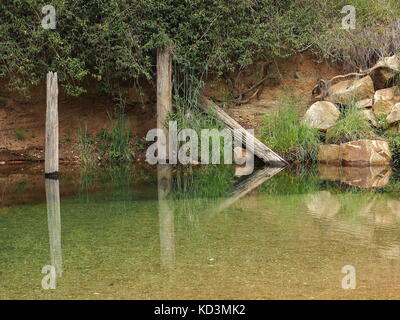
[365,153]
[329,154]
[369,115]
[321,115]
[394,115]
[385,99]
[356,153]
[345,92]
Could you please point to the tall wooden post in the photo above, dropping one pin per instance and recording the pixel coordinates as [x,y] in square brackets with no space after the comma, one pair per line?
[164,97]
[51,144]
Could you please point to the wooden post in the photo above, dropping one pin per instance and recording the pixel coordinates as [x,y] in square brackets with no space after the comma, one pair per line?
[164,97]
[166,217]
[51,144]
[259,148]
[54,223]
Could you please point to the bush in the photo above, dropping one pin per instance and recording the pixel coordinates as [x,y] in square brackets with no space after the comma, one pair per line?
[285,133]
[351,127]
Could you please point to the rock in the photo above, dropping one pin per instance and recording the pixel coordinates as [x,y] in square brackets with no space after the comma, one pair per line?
[323,204]
[321,115]
[366,152]
[366,103]
[389,67]
[345,92]
[369,115]
[329,154]
[366,177]
[394,114]
[385,99]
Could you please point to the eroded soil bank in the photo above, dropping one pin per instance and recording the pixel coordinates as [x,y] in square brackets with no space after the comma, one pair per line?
[22,119]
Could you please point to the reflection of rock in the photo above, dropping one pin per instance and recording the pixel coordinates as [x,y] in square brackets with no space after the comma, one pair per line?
[347,91]
[243,170]
[390,252]
[321,115]
[366,177]
[394,206]
[330,173]
[329,153]
[365,152]
[323,204]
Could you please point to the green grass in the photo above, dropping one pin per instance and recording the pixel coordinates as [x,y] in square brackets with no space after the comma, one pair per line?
[285,133]
[86,146]
[352,126]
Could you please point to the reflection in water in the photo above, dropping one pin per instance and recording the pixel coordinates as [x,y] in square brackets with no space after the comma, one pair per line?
[282,238]
[166,217]
[54,223]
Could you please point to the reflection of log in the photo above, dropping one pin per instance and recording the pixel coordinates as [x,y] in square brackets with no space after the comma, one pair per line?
[259,149]
[244,187]
[54,222]
[166,217]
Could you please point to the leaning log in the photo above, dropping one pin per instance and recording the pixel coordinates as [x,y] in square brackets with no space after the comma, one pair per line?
[260,150]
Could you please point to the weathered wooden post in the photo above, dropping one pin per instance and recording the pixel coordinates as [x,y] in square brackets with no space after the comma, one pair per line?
[164,97]
[166,217]
[51,140]
[54,223]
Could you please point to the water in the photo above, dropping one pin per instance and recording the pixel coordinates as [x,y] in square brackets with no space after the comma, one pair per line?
[134,233]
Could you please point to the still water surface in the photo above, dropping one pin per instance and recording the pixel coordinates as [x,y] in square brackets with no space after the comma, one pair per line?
[134,233]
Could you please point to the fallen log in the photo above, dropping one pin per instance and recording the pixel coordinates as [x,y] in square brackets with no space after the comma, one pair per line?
[259,149]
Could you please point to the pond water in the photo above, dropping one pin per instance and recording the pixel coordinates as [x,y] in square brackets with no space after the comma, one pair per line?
[201,233]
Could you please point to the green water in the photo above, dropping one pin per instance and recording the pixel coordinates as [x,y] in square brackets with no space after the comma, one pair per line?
[134,233]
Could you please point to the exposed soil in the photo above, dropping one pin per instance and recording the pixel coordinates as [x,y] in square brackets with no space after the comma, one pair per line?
[22,119]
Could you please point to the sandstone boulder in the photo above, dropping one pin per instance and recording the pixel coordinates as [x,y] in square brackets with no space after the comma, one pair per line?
[387,68]
[321,115]
[365,153]
[394,114]
[347,91]
[369,115]
[329,154]
[385,99]
[365,103]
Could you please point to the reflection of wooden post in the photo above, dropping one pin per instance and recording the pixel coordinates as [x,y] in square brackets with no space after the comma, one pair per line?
[164,96]
[166,217]
[51,146]
[54,222]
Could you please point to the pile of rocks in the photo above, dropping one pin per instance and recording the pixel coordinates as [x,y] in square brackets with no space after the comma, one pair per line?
[368,92]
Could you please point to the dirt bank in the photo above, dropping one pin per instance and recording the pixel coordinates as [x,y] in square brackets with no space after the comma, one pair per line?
[22,119]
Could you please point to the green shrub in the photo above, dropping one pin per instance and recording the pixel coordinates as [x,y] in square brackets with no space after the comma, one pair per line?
[86,146]
[351,127]
[285,133]
[115,144]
